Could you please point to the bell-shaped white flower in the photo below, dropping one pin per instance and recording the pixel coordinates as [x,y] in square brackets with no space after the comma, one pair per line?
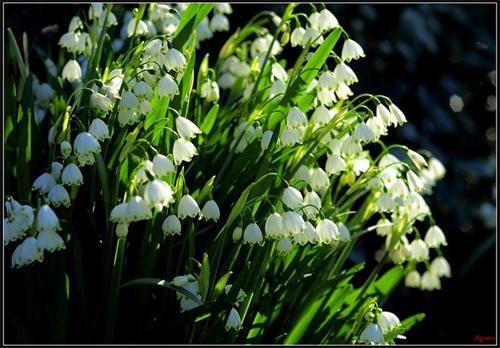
[158,194]
[290,137]
[139,28]
[327,20]
[414,182]
[388,321]
[100,102]
[171,226]
[46,220]
[321,116]
[344,234]
[296,118]
[186,128]
[226,80]
[418,160]
[210,91]
[397,114]
[312,35]
[440,267]
[292,198]
[279,72]
[266,139]
[435,237]
[413,279]
[44,183]
[312,234]
[335,164]
[219,22]
[233,320]
[297,37]
[384,227]
[99,129]
[419,251]
[50,241]
[121,231]
[319,180]
[363,133]
[343,73]
[274,226]
[56,169]
[385,203]
[184,150]
[253,235]
[328,232]
[293,223]
[312,204]
[145,169]
[59,196]
[430,281]
[162,165]
[351,50]
[351,146]
[436,168]
[188,207]
[372,334]
[302,174]
[72,71]
[138,209]
[284,246]
[119,214]
[27,252]
[167,87]
[211,211]
[174,60]
[72,175]
[85,144]
[237,233]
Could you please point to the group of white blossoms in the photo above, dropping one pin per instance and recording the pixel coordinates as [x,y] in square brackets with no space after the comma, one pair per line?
[396,187]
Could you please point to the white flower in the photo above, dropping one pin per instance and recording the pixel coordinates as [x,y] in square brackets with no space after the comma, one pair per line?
[210,91]
[237,233]
[186,128]
[312,203]
[188,207]
[419,251]
[203,32]
[297,37]
[226,80]
[417,159]
[436,168]
[414,182]
[167,87]
[377,126]
[75,24]
[435,237]
[219,22]
[293,223]
[385,115]
[284,246]
[158,194]
[274,226]
[388,321]
[344,234]
[335,164]
[174,60]
[327,20]
[319,180]
[343,73]
[350,146]
[180,281]
[26,253]
[398,189]
[142,28]
[72,71]
[397,114]
[143,90]
[183,150]
[58,195]
[46,220]
[233,320]
[171,226]
[99,129]
[44,183]
[312,35]
[430,281]
[266,139]
[85,144]
[312,233]
[302,174]
[383,227]
[385,203]
[211,211]
[100,102]
[223,7]
[253,235]
[162,165]
[56,169]
[137,209]
[328,232]
[278,72]
[321,116]
[50,241]
[372,334]
[412,279]
[292,198]
[290,137]
[351,50]
[343,91]
[76,42]
[296,118]
[440,267]
[72,175]
[119,214]
[363,133]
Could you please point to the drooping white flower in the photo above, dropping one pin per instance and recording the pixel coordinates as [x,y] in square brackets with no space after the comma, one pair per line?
[398,189]
[412,279]
[419,251]
[46,220]
[312,203]
[312,234]
[211,211]
[296,118]
[99,129]
[293,223]
[59,196]
[385,115]
[319,180]
[226,80]
[50,241]
[363,133]
[26,253]
[219,22]
[72,175]
[440,267]
[72,71]
[203,32]
[435,237]
[139,28]
[119,214]
[321,116]
[377,126]
[210,91]
[158,194]
[351,50]
[343,73]
[274,226]
[372,334]
[186,128]
[76,42]
[414,182]
[385,203]
[44,183]
[137,209]
[292,198]
[174,60]
[297,37]
[171,226]
[388,321]
[167,87]
[253,235]
[266,139]
[327,20]
[278,72]
[100,102]
[328,232]
[56,169]
[302,174]
[162,165]
[312,35]
[384,227]
[417,159]
[430,281]
[121,231]
[290,137]
[397,114]
[284,246]
[350,146]
[335,164]
[188,207]
[223,7]
[233,320]
[183,150]
[436,168]
[85,145]
[344,234]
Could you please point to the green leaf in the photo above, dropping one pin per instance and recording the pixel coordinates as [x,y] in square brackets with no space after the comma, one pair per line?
[24,126]
[190,20]
[386,284]
[103,178]
[17,54]
[220,286]
[204,278]
[409,322]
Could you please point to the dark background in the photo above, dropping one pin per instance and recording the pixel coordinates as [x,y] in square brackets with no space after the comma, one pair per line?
[419,55]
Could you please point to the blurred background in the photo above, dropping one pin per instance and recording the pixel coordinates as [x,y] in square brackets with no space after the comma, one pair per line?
[437,63]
